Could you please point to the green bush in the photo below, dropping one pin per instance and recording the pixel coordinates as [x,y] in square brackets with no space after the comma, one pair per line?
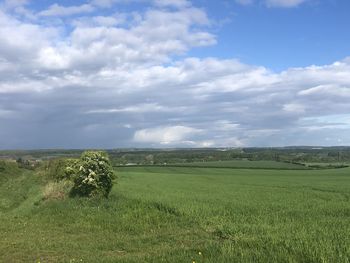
[9,167]
[92,175]
[56,169]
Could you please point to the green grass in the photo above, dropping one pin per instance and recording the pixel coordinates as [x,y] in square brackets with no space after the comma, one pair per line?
[244,164]
[169,214]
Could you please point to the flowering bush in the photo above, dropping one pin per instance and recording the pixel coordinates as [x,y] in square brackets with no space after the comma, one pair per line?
[92,175]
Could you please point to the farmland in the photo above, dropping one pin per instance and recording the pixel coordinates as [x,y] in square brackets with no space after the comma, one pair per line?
[181,214]
[175,131]
[244,164]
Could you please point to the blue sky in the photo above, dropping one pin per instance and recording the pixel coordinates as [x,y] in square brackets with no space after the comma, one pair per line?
[315,32]
[174,73]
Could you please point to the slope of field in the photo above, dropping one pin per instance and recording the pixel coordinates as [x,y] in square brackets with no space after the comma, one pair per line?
[242,164]
[170,214]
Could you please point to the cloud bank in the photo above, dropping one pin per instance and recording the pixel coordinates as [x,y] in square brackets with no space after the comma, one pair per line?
[125,80]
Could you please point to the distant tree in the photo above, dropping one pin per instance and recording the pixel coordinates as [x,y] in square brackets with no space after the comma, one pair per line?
[92,175]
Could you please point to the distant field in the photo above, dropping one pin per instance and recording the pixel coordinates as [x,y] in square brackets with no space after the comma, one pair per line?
[244,164]
[327,165]
[170,214]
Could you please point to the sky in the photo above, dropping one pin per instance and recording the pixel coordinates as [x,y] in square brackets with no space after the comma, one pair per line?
[174,73]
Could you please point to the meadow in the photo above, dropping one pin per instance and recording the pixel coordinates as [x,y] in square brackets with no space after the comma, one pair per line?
[244,164]
[181,214]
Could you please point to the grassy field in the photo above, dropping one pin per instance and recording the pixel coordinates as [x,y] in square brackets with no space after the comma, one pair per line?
[245,164]
[182,214]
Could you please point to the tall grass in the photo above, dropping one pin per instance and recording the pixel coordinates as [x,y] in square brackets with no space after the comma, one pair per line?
[172,214]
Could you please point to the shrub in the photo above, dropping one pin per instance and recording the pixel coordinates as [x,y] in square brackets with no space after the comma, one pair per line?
[8,167]
[92,174]
[56,169]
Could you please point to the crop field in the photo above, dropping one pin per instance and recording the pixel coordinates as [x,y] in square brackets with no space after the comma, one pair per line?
[181,214]
[243,164]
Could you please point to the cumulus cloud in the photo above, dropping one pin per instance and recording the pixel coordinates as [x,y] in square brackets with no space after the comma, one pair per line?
[151,39]
[109,83]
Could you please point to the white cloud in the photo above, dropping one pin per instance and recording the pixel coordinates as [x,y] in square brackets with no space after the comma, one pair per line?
[107,20]
[51,58]
[58,10]
[23,86]
[154,38]
[121,81]
[225,125]
[20,43]
[168,135]
[326,90]
[140,108]
[294,108]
